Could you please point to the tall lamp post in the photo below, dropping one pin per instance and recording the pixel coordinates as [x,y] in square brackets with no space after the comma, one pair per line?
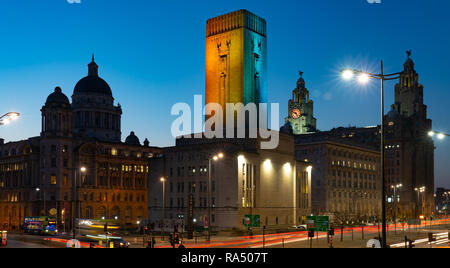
[395,187]
[40,197]
[163,180]
[419,191]
[8,117]
[363,78]
[75,212]
[214,158]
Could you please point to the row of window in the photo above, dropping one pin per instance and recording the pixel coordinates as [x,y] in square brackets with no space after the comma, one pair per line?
[202,203]
[191,187]
[13,167]
[346,195]
[192,171]
[355,165]
[355,184]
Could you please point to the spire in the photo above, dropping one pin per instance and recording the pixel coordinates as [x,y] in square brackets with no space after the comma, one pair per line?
[300,81]
[409,52]
[409,63]
[93,67]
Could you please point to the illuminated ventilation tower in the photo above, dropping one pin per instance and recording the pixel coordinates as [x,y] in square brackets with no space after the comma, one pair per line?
[301,110]
[236,59]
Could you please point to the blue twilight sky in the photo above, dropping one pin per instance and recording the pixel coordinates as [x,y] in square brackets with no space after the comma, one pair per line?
[152,55]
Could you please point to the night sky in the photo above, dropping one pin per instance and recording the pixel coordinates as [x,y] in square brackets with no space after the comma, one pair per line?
[152,53]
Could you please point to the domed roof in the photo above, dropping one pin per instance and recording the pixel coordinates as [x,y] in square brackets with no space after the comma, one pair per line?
[132,139]
[92,83]
[57,97]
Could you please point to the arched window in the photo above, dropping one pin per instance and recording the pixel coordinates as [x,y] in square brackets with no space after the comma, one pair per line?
[102,212]
[89,213]
[116,213]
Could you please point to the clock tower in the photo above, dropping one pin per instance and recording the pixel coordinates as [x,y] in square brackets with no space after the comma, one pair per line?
[301,110]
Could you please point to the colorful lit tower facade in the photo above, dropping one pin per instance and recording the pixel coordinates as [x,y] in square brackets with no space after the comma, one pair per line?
[236,59]
[301,110]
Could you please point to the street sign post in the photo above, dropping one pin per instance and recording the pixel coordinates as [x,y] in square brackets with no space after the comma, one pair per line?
[252,221]
[318,223]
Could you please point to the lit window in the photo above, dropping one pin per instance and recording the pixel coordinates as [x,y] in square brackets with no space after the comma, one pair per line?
[113,151]
[53,180]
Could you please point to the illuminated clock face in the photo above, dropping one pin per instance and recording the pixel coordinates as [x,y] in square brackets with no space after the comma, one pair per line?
[295,113]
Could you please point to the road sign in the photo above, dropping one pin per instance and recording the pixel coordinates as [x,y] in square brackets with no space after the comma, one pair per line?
[252,221]
[318,223]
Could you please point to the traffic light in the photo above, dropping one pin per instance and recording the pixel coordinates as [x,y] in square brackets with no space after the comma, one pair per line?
[331,231]
[177,239]
[311,233]
[171,240]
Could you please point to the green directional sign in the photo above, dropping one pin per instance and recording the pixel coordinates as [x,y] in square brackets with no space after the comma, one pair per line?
[252,221]
[318,223]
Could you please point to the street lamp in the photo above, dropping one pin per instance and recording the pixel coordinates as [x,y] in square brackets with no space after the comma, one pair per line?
[439,135]
[163,180]
[395,187]
[419,191]
[8,118]
[216,157]
[75,213]
[40,197]
[364,77]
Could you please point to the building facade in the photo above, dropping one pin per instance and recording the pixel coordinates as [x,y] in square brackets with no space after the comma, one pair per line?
[409,149]
[346,176]
[247,181]
[42,176]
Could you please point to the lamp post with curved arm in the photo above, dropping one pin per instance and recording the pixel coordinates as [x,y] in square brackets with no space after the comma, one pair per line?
[439,135]
[8,118]
[364,77]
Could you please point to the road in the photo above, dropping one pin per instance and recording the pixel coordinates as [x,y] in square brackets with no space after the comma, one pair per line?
[356,237]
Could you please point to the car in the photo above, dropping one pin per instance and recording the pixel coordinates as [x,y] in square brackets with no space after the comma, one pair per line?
[299,227]
[119,243]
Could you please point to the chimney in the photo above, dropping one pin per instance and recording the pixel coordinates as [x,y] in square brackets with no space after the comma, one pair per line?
[2,141]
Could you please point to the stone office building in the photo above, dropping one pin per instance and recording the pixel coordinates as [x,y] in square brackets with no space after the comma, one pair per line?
[38,175]
[346,174]
[247,181]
